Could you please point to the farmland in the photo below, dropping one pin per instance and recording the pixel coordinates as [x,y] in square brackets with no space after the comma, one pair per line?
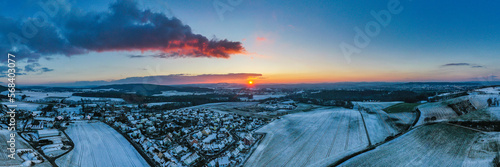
[97,144]
[433,112]
[441,111]
[381,124]
[490,90]
[325,135]
[307,138]
[433,145]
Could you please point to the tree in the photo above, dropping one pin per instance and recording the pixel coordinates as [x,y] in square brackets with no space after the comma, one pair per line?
[496,161]
[490,102]
[48,108]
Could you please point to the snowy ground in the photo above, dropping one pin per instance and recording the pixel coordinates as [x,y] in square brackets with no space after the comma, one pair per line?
[481,101]
[158,104]
[25,106]
[176,93]
[442,112]
[35,96]
[307,138]
[433,145]
[490,90]
[227,107]
[262,97]
[438,110]
[97,144]
[78,98]
[495,112]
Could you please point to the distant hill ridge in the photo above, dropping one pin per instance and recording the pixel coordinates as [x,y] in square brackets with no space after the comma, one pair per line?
[149,89]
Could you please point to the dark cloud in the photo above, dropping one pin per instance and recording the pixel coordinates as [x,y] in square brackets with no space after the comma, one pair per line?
[4,71]
[47,40]
[462,64]
[136,56]
[457,64]
[31,67]
[45,69]
[177,79]
[124,27]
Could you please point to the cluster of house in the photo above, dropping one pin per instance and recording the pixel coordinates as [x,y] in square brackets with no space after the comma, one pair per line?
[190,137]
[50,141]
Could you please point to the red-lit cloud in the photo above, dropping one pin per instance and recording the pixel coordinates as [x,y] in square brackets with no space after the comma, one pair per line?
[124,27]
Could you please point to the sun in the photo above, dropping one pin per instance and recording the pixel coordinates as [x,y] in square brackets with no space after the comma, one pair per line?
[250,82]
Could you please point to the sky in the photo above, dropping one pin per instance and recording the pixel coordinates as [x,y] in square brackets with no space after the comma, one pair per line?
[213,41]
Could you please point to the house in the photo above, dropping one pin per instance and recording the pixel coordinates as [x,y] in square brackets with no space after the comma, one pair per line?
[198,135]
[206,131]
[223,161]
[179,149]
[248,140]
[241,147]
[151,129]
[189,158]
[209,138]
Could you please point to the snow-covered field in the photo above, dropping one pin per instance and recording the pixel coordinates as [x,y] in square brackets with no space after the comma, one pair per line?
[307,138]
[495,112]
[25,106]
[433,145]
[70,110]
[34,96]
[262,97]
[490,90]
[381,125]
[4,159]
[176,93]
[20,144]
[440,111]
[435,112]
[225,107]
[481,101]
[97,144]
[78,98]
[158,104]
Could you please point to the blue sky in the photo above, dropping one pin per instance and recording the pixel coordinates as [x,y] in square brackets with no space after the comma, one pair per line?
[283,42]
